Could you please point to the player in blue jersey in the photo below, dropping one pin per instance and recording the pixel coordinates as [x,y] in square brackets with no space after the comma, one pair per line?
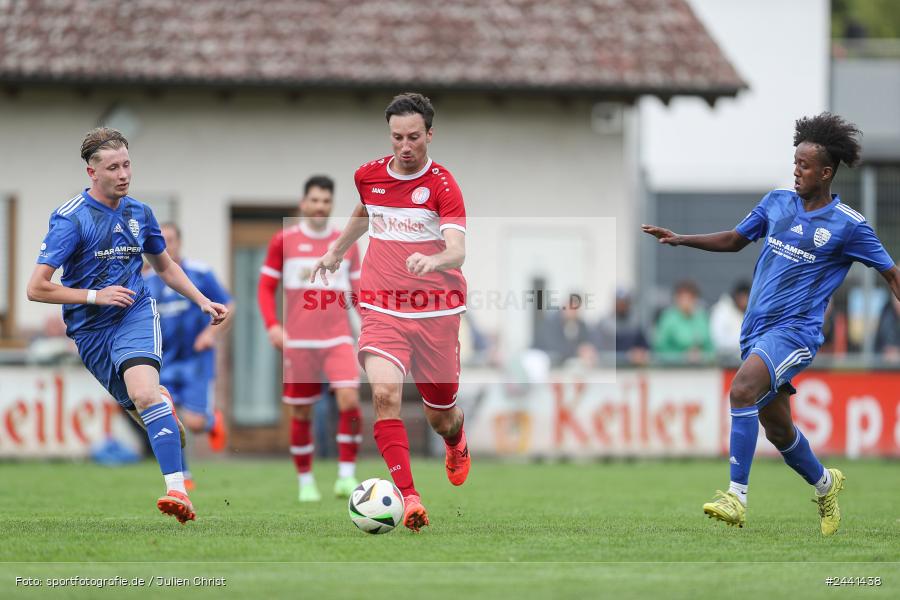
[188,345]
[98,237]
[810,239]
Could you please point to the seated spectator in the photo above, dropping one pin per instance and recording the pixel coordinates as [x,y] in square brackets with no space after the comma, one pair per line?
[887,336]
[725,320]
[682,333]
[621,333]
[564,335]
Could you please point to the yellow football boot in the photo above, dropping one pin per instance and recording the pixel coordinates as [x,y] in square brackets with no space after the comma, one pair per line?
[829,511]
[726,507]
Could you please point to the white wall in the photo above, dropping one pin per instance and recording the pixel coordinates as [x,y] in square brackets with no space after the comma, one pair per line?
[781,49]
[526,158]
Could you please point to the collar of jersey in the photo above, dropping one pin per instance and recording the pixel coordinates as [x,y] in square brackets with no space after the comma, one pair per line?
[102,206]
[312,233]
[396,175]
[799,203]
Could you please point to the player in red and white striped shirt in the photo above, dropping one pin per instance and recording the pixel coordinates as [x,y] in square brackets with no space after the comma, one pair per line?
[316,338]
[412,292]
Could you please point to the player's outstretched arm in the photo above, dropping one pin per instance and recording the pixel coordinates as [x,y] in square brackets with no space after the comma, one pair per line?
[723,241]
[358,225]
[173,276]
[41,289]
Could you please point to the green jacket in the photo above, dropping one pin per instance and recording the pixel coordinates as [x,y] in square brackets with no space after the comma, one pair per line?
[677,333]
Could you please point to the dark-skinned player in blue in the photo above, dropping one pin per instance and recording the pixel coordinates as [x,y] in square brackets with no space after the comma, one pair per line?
[810,240]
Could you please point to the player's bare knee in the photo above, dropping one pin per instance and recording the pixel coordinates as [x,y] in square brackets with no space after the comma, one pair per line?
[742,394]
[347,398]
[302,412]
[385,399]
[196,423]
[145,398]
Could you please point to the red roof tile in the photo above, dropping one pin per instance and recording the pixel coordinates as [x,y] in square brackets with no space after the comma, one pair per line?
[622,47]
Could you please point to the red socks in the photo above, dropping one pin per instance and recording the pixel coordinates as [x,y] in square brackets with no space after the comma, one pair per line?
[390,437]
[301,445]
[348,434]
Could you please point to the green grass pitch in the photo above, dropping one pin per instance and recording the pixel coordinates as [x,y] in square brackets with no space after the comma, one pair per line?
[620,529]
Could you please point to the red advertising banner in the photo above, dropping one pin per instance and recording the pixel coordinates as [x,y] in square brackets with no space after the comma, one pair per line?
[57,413]
[847,413]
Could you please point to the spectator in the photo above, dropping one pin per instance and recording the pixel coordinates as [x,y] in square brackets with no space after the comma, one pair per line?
[682,334]
[835,327]
[887,337]
[51,346]
[564,334]
[621,333]
[725,320]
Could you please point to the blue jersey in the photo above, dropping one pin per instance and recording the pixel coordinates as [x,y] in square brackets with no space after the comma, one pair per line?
[181,320]
[804,259]
[96,247]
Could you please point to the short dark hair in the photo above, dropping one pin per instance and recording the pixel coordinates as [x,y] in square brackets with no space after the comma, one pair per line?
[837,137]
[321,181]
[741,287]
[411,103]
[686,285]
[174,226]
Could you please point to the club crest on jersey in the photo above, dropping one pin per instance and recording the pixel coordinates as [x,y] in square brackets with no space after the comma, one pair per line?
[133,227]
[420,195]
[821,237]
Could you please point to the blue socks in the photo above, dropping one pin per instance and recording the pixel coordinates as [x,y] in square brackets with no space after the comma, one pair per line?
[165,440]
[799,456]
[744,431]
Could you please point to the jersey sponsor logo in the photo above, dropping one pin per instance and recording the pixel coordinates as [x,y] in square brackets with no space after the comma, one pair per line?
[821,237]
[378,190]
[380,224]
[119,252]
[791,252]
[420,195]
[304,247]
[798,228]
[134,227]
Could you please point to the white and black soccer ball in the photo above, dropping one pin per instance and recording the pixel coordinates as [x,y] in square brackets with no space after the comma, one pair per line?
[376,506]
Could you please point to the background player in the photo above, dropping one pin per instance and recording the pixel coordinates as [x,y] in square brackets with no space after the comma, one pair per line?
[97,237]
[412,292]
[812,238]
[316,338]
[188,346]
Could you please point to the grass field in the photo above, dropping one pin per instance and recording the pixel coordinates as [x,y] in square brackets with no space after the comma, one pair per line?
[620,529]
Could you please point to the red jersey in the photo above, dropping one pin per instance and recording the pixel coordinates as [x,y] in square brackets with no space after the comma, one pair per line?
[408,214]
[315,314]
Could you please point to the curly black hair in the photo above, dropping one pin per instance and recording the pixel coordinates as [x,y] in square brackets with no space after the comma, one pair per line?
[837,138]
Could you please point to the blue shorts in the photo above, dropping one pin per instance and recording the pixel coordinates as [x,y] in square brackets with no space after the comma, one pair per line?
[191,384]
[135,335]
[786,352]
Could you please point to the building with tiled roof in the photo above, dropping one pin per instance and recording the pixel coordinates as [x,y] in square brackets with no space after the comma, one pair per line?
[622,48]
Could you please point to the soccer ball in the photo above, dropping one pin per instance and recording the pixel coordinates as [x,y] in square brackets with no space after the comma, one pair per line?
[376,506]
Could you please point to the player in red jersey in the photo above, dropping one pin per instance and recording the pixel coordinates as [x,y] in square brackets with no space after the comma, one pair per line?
[315,338]
[412,292]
